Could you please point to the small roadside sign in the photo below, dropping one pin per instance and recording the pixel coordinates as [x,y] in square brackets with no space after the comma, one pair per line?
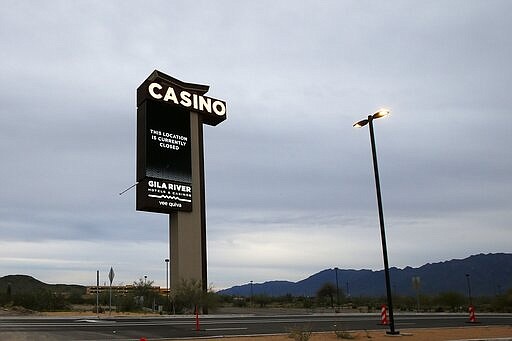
[111,275]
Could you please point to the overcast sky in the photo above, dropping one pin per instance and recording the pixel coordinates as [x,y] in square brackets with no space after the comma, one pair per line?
[290,188]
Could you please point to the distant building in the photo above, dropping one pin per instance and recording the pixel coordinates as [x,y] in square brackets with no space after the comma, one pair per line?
[121,289]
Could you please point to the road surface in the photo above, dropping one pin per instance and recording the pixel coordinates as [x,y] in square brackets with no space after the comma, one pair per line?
[175,327]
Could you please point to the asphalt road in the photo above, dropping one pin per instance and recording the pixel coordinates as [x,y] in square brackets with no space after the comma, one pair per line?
[215,325]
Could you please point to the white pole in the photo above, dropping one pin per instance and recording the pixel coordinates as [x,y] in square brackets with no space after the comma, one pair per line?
[110,301]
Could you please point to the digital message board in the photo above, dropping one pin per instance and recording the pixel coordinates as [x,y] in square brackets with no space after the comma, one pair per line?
[165,158]
[164,144]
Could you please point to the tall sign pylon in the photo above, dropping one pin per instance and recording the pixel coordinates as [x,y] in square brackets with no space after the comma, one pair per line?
[170,165]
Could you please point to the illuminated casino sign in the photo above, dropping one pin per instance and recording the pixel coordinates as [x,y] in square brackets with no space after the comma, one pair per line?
[188,100]
[164,142]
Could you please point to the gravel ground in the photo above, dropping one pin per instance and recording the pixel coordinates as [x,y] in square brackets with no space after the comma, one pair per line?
[480,333]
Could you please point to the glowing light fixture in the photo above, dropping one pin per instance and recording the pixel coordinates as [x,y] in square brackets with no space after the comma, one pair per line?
[378,114]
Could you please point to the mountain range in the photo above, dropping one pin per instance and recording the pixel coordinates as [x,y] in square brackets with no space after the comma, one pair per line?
[21,284]
[483,274]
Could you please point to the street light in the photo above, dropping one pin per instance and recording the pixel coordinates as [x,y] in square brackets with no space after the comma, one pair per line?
[167,282]
[369,120]
[337,288]
[380,113]
[469,290]
[251,295]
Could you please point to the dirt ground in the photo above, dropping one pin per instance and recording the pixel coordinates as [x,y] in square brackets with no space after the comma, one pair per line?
[474,333]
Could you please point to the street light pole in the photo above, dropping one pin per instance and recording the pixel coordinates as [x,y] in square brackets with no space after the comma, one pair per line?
[251,295]
[362,123]
[337,288]
[98,292]
[469,290]
[167,283]
[145,291]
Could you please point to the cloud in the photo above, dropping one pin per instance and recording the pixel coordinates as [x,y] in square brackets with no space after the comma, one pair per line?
[289,182]
[61,261]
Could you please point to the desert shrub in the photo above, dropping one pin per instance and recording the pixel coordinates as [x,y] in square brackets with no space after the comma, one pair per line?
[300,333]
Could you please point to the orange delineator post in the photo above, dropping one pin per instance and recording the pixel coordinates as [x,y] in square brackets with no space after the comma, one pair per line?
[197,319]
[472,317]
[384,315]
